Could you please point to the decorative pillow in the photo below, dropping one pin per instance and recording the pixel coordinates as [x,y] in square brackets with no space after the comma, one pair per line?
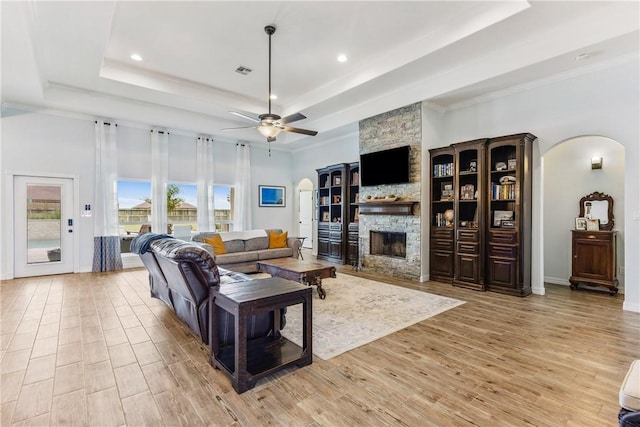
[277,240]
[216,242]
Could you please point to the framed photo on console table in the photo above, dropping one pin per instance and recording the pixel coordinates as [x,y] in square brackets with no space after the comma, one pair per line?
[593,224]
[272,196]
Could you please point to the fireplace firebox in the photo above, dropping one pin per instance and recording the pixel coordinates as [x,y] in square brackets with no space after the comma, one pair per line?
[387,243]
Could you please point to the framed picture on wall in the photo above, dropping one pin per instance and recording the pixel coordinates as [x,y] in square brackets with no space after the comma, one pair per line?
[272,196]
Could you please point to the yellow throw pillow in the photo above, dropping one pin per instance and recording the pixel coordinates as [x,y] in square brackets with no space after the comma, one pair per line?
[217,243]
[277,240]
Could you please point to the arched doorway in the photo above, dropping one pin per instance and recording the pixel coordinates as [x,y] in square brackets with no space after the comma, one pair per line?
[568,176]
[305,212]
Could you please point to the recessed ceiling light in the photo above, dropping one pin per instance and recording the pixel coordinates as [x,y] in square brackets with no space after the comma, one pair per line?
[342,58]
[136,57]
[273,96]
[583,56]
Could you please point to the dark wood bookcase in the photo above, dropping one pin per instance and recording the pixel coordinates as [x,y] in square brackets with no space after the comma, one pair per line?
[338,188]
[487,245]
[469,219]
[508,214]
[441,259]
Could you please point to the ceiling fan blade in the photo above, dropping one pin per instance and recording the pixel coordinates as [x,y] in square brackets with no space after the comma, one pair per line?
[298,130]
[242,127]
[244,116]
[292,118]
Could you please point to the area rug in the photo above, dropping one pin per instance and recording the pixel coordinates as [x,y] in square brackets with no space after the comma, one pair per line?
[358,311]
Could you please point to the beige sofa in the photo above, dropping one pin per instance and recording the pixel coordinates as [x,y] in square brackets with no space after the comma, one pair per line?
[245,248]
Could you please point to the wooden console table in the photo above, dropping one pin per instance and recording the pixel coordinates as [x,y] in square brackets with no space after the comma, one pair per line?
[247,361]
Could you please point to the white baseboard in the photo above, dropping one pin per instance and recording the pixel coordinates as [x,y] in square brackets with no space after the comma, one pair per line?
[557,281]
[424,278]
[627,306]
[131,261]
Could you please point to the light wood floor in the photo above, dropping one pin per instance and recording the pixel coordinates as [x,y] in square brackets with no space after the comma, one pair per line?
[95,349]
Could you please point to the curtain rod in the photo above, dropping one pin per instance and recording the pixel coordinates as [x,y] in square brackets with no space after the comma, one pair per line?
[105,123]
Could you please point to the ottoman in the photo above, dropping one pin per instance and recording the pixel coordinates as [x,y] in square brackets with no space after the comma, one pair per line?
[629,398]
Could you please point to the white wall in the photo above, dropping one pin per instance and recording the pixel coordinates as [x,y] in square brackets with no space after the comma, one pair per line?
[604,102]
[305,162]
[54,145]
[432,137]
[569,177]
[40,144]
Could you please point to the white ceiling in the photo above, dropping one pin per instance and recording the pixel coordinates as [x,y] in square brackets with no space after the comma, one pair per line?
[75,57]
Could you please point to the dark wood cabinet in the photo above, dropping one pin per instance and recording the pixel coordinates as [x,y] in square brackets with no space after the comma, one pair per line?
[337,211]
[486,184]
[469,221]
[593,260]
[441,247]
[508,214]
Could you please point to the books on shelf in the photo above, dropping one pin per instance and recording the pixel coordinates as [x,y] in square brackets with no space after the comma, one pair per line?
[444,169]
[503,191]
[355,178]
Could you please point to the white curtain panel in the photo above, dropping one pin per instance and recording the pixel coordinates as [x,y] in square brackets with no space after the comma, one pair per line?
[159,178]
[106,248]
[242,200]
[106,181]
[206,204]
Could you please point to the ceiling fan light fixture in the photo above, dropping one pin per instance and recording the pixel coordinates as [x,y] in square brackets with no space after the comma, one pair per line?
[269,130]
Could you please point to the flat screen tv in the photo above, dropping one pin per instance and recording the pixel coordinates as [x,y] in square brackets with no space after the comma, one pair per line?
[385,167]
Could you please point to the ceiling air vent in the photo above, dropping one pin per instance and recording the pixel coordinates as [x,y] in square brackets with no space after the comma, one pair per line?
[243,70]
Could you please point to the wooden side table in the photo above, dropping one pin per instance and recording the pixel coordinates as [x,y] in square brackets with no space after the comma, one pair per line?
[247,361]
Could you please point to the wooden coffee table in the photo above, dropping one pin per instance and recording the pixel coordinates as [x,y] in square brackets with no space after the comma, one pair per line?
[308,273]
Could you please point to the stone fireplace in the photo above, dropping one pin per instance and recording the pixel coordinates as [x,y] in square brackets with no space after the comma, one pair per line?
[388,244]
[389,130]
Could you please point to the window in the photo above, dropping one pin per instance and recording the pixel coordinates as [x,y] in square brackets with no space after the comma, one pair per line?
[134,210]
[182,210]
[223,199]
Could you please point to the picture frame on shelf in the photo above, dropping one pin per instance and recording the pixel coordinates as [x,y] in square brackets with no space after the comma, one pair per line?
[337,180]
[593,224]
[511,164]
[446,191]
[272,196]
[499,216]
[581,223]
[325,216]
[507,223]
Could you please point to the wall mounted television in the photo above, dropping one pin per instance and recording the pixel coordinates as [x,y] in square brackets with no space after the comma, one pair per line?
[385,167]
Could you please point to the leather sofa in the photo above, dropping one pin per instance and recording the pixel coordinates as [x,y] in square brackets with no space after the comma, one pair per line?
[181,275]
[245,248]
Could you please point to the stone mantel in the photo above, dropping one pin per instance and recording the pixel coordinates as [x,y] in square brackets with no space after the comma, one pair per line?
[397,207]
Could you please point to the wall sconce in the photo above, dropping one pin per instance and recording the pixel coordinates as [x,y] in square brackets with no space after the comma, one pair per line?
[596,163]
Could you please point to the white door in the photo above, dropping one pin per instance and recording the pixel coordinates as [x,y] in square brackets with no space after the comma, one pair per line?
[306,215]
[43,226]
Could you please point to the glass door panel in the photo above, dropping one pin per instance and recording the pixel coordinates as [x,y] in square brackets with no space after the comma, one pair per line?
[44,227]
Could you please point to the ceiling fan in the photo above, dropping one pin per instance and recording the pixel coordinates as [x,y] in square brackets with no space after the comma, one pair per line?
[270,125]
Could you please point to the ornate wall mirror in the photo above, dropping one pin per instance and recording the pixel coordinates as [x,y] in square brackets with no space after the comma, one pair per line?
[598,206]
